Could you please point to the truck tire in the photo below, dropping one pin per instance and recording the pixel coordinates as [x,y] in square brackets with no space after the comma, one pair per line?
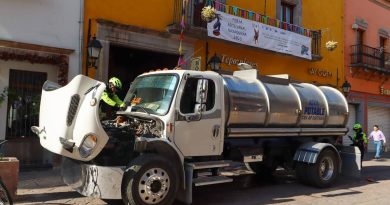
[149,179]
[325,171]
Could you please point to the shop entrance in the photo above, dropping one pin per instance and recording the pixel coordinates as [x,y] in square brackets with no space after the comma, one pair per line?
[127,63]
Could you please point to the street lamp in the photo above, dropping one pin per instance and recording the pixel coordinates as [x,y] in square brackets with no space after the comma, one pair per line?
[215,63]
[346,87]
[94,48]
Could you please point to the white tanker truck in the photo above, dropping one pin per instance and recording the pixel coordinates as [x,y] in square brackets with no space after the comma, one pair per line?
[180,123]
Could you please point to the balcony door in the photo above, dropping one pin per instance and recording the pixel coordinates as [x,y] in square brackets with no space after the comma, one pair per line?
[359,43]
[382,46]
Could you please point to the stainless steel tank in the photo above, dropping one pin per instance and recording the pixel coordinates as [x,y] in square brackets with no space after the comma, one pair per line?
[251,103]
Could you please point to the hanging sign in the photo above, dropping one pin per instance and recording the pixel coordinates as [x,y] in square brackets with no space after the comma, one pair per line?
[256,34]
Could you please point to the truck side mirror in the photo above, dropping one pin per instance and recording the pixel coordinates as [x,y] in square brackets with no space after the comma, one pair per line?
[201,91]
[198,109]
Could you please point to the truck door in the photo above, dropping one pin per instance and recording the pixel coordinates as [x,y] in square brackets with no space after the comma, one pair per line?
[198,130]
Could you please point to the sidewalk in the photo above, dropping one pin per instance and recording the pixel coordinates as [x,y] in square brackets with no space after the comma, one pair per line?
[46,187]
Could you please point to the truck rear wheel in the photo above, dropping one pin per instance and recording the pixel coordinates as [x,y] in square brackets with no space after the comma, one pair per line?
[321,174]
[149,179]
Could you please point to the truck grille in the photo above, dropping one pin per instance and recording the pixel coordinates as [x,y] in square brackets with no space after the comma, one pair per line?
[74,103]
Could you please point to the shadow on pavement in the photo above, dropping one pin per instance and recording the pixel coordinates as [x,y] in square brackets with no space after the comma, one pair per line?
[42,197]
[252,190]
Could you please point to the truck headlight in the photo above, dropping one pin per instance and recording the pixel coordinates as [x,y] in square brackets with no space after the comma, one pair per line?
[88,145]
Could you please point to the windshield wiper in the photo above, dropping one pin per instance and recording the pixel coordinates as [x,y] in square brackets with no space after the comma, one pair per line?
[142,108]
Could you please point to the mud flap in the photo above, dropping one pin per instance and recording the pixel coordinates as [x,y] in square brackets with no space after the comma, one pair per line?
[351,161]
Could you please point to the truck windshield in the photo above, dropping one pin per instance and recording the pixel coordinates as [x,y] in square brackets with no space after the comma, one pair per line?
[152,94]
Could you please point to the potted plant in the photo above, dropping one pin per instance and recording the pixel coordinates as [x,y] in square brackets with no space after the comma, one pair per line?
[9,172]
[208,14]
[331,45]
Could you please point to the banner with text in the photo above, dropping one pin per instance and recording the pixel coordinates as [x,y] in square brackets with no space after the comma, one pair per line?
[256,34]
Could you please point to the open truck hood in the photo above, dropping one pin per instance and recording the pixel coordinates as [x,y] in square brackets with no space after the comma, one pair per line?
[68,115]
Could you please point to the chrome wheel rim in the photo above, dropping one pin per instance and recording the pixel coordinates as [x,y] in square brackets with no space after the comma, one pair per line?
[326,168]
[154,185]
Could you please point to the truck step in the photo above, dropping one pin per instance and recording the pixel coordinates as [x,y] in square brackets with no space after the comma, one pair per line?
[209,164]
[203,181]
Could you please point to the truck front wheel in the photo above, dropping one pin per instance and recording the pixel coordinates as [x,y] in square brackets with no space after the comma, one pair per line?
[149,179]
[321,174]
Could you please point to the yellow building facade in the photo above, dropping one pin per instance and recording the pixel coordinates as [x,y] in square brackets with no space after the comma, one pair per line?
[139,36]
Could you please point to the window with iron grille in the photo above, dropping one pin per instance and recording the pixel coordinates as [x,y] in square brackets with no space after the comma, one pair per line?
[24,95]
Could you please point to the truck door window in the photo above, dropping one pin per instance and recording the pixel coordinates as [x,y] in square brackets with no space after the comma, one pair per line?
[188,99]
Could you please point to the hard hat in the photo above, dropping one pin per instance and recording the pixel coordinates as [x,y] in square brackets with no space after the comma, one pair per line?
[116,82]
[357,126]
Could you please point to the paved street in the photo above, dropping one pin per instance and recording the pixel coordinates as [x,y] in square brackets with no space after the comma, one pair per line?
[46,187]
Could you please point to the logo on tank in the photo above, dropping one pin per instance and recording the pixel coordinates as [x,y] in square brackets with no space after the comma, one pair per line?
[313,111]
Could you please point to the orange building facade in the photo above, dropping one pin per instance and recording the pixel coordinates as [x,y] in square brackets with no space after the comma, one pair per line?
[367,62]
[139,36]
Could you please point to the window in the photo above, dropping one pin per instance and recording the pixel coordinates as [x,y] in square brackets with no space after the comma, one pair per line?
[24,96]
[287,13]
[188,99]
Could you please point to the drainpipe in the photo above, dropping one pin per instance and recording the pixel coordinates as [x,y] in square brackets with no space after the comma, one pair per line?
[81,39]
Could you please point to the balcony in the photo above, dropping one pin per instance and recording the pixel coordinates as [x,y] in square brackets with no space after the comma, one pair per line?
[195,27]
[374,59]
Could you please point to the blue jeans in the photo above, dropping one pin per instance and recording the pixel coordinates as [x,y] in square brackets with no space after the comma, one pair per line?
[378,148]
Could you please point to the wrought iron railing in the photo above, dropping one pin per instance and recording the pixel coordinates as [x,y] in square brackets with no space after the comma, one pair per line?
[370,58]
[193,20]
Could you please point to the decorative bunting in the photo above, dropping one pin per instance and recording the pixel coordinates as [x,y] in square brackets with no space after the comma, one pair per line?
[257,17]
[236,11]
[271,22]
[250,15]
[181,61]
[265,19]
[277,23]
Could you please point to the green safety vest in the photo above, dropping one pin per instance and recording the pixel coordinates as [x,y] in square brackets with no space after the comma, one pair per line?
[113,101]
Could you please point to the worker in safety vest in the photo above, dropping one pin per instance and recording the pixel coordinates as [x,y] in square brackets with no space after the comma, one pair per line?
[110,98]
[359,139]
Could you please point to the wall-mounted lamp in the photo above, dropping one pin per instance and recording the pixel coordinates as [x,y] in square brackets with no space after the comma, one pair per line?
[346,88]
[94,48]
[214,63]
